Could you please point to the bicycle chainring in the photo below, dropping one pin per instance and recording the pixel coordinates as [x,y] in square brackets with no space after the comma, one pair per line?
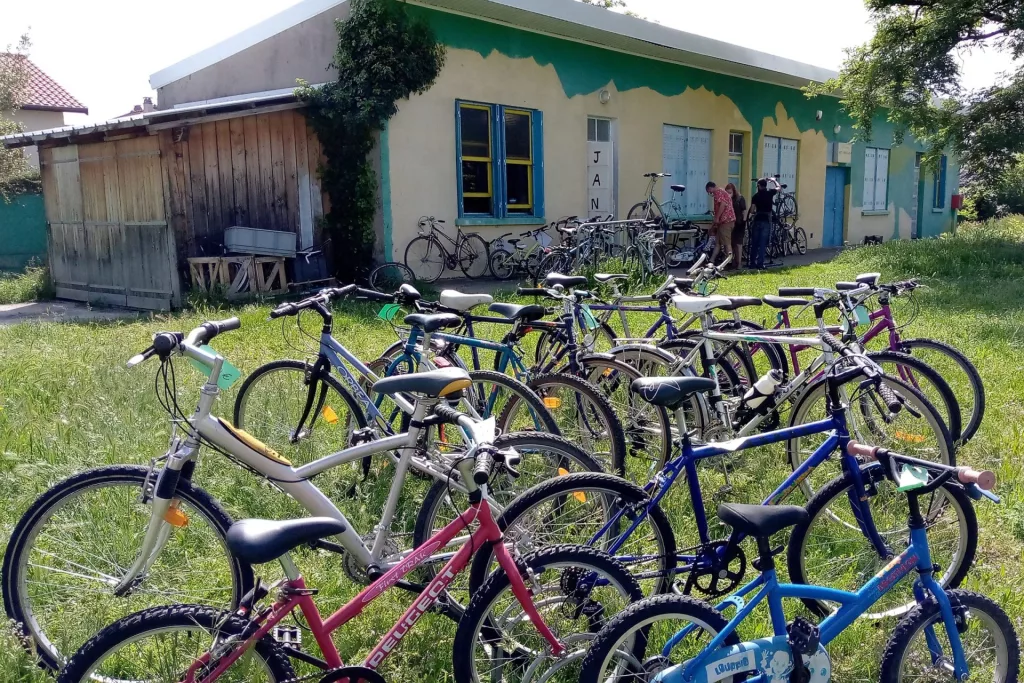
[578,602]
[351,565]
[723,576]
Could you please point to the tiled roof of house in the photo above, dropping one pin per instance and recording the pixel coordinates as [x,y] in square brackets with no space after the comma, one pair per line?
[44,92]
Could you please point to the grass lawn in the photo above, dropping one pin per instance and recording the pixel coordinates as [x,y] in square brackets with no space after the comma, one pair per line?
[67,403]
[28,285]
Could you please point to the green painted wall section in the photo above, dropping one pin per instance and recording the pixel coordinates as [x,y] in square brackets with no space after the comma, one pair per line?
[22,231]
[385,192]
[584,69]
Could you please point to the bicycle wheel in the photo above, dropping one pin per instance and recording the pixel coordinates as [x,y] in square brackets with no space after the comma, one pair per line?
[70,547]
[643,211]
[736,372]
[583,414]
[925,379]
[502,265]
[388,277]
[544,457]
[159,645]
[800,240]
[631,648]
[648,427]
[576,591]
[599,340]
[917,430]
[989,642]
[788,206]
[553,262]
[595,509]
[472,255]
[829,549]
[425,257]
[271,401]
[659,261]
[961,375]
[631,259]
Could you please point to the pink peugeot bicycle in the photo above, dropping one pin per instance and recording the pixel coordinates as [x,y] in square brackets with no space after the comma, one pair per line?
[532,621]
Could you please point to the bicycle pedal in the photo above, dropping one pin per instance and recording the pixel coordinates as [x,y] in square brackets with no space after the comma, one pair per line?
[288,635]
[804,636]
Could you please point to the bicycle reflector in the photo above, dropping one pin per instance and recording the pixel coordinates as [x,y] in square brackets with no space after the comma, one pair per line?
[578,495]
[910,438]
[175,517]
[552,402]
[330,417]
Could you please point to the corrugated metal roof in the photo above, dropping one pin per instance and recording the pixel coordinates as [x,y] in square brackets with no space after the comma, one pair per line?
[568,19]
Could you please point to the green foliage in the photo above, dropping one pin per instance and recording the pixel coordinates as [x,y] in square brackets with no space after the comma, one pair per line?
[32,284]
[910,70]
[383,56]
[1000,196]
[13,79]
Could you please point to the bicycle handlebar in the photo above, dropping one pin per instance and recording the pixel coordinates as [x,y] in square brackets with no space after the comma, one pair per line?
[165,343]
[983,479]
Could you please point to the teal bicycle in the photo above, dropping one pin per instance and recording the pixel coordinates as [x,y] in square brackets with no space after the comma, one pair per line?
[951,635]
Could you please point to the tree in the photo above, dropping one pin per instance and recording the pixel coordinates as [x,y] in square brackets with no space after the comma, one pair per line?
[13,83]
[910,70]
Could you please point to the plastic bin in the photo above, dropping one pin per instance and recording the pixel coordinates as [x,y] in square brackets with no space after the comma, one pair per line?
[260,242]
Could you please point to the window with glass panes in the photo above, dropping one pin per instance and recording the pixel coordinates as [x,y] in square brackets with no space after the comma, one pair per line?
[499,152]
[736,159]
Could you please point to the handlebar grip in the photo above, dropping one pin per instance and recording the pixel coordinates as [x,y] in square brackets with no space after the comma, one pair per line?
[984,479]
[892,401]
[846,286]
[862,450]
[532,291]
[283,310]
[374,295]
[837,346]
[796,291]
[484,466]
[214,327]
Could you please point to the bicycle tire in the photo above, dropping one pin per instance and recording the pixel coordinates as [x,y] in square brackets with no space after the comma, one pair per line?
[774,353]
[641,211]
[477,627]
[788,206]
[800,240]
[631,259]
[571,486]
[554,262]
[931,420]
[388,277]
[501,264]
[543,422]
[947,403]
[600,422]
[642,614]
[473,256]
[837,492]
[659,260]
[40,639]
[928,614]
[735,383]
[81,667]
[439,498]
[427,244]
[971,422]
[320,419]
[604,333]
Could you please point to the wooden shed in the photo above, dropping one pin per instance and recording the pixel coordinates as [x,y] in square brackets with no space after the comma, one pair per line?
[128,202]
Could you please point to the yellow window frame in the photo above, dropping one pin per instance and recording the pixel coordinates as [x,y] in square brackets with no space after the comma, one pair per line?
[523,162]
[485,160]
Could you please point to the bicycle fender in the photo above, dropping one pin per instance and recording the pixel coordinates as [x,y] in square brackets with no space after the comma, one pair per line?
[664,355]
[597,356]
[771,657]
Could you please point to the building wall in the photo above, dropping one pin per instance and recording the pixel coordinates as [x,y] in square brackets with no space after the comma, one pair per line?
[22,231]
[31,119]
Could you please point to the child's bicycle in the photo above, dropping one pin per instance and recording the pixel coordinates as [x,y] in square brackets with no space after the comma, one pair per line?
[950,635]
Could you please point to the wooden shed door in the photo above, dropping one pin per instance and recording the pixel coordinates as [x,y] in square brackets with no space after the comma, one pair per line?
[109,238]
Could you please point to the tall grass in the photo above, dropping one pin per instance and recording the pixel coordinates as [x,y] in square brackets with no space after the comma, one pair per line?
[31,284]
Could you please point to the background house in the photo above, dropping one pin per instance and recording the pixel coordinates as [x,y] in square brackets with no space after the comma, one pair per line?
[46,102]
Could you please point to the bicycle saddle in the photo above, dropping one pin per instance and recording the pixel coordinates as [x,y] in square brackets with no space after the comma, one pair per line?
[257,541]
[516,312]
[608,277]
[408,293]
[458,301]
[869,279]
[670,392]
[567,281]
[741,302]
[683,283]
[760,521]
[433,384]
[699,304]
[431,322]
[783,302]
[514,241]
[657,175]
[677,188]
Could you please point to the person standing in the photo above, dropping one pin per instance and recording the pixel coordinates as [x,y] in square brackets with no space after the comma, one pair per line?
[761,210]
[723,221]
[739,207]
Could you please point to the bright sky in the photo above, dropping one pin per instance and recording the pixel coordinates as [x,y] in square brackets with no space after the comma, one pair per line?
[104,52]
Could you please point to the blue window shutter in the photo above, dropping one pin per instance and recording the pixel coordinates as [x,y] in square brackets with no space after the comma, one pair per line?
[458,153]
[538,164]
[942,183]
[498,152]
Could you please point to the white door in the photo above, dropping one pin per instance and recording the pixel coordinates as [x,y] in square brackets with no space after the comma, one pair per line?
[870,155]
[600,169]
[673,158]
[770,157]
[787,163]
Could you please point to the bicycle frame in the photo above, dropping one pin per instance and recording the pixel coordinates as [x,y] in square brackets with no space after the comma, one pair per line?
[296,596]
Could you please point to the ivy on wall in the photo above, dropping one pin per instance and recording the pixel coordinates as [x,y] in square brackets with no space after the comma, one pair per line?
[383,56]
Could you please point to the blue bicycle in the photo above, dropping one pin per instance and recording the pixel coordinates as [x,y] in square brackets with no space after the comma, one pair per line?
[950,635]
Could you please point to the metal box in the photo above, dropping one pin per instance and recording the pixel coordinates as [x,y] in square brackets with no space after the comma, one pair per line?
[261,242]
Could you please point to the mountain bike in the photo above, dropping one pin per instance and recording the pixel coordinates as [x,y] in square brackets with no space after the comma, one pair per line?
[522,260]
[650,210]
[629,522]
[111,540]
[541,604]
[428,255]
[948,635]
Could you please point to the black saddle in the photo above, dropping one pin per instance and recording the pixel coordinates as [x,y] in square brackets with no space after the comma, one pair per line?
[741,302]
[783,302]
[683,282]
[670,392]
[567,281]
[409,293]
[431,322]
[256,541]
[514,241]
[432,384]
[657,175]
[760,521]
[677,188]
[515,312]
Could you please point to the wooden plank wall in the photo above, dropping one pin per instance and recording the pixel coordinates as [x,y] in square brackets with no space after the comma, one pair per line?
[257,171]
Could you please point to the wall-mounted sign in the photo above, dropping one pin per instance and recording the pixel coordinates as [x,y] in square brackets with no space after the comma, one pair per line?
[844,152]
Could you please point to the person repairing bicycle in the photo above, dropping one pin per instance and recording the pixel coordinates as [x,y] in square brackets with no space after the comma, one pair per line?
[761,211]
[723,222]
[739,207]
